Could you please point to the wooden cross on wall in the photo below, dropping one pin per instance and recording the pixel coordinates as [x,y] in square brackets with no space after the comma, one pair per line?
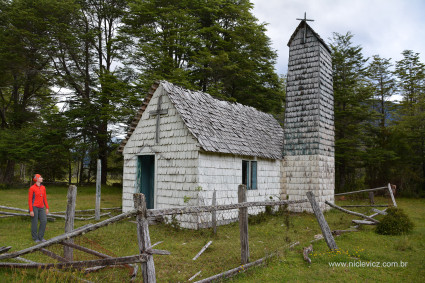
[305,25]
[158,112]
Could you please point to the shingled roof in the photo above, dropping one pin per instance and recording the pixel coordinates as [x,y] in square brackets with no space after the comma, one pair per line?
[221,126]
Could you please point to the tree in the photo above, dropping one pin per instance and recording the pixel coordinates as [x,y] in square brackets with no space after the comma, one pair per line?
[410,125]
[215,46]
[379,155]
[24,78]
[87,55]
[352,110]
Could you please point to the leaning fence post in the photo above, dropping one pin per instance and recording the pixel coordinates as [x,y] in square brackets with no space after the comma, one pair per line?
[243,225]
[144,241]
[214,214]
[326,231]
[98,189]
[391,194]
[69,220]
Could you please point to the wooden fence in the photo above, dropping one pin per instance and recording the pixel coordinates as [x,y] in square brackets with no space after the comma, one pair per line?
[146,251]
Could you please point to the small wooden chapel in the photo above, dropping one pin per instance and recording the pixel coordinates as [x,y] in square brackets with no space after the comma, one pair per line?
[184,144]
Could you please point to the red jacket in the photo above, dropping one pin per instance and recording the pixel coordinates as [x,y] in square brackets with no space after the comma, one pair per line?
[37,197]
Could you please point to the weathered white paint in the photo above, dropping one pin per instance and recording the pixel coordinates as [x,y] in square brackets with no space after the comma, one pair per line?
[175,157]
[185,175]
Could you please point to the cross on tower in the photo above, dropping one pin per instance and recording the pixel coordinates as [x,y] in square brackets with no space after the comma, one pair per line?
[158,112]
[305,25]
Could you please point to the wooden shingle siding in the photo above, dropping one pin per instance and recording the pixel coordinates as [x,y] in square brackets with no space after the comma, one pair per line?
[308,163]
[176,156]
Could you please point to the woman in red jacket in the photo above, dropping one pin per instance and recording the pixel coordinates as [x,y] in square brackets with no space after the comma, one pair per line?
[37,202]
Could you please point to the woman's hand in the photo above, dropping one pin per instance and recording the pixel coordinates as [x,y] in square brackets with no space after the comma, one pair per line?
[32,213]
[47,211]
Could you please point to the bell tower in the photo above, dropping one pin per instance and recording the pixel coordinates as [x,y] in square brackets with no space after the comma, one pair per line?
[309,153]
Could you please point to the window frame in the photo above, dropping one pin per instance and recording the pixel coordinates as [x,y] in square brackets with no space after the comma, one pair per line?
[250,174]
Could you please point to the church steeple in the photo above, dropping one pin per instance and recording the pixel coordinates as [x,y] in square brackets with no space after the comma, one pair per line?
[309,118]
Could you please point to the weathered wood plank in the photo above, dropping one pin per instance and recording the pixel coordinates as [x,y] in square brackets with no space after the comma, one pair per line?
[306,252]
[364,222]
[84,249]
[382,212]
[236,270]
[243,225]
[4,249]
[79,264]
[14,208]
[366,205]
[69,220]
[70,235]
[98,189]
[326,231]
[143,237]
[194,276]
[210,208]
[391,194]
[214,213]
[202,250]
[361,191]
[351,212]
[53,255]
[91,210]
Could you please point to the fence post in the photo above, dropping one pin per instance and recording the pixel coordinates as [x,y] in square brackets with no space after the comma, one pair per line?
[214,214]
[326,231]
[69,220]
[144,241]
[98,189]
[391,194]
[243,225]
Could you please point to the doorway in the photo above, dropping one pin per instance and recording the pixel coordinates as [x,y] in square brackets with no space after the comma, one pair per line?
[146,178]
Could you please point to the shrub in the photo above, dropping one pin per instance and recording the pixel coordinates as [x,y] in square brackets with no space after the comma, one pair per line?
[396,222]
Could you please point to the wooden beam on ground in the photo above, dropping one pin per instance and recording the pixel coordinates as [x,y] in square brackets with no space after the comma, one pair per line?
[91,210]
[53,255]
[382,212]
[210,208]
[236,270]
[363,222]
[293,245]
[49,217]
[75,233]
[326,231]
[14,208]
[360,191]
[306,252]
[84,249]
[351,212]
[243,225]
[4,249]
[202,250]
[79,264]
[360,205]
[194,276]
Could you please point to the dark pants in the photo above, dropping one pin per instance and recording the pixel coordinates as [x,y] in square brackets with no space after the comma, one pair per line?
[39,213]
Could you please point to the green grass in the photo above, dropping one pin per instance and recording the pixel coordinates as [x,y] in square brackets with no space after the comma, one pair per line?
[273,234]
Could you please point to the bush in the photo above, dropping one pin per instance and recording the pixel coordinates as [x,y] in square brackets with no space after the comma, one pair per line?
[396,222]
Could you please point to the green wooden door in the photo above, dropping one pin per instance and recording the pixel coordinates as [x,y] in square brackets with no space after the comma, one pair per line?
[146,176]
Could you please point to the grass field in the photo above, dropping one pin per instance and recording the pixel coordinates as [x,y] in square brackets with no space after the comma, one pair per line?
[272,235]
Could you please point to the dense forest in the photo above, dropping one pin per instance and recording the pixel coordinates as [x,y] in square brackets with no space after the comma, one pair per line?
[73,71]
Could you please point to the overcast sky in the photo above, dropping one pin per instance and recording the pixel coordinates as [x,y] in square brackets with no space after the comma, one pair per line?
[384,27]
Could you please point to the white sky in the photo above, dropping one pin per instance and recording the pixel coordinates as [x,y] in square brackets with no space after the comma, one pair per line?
[383,27]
